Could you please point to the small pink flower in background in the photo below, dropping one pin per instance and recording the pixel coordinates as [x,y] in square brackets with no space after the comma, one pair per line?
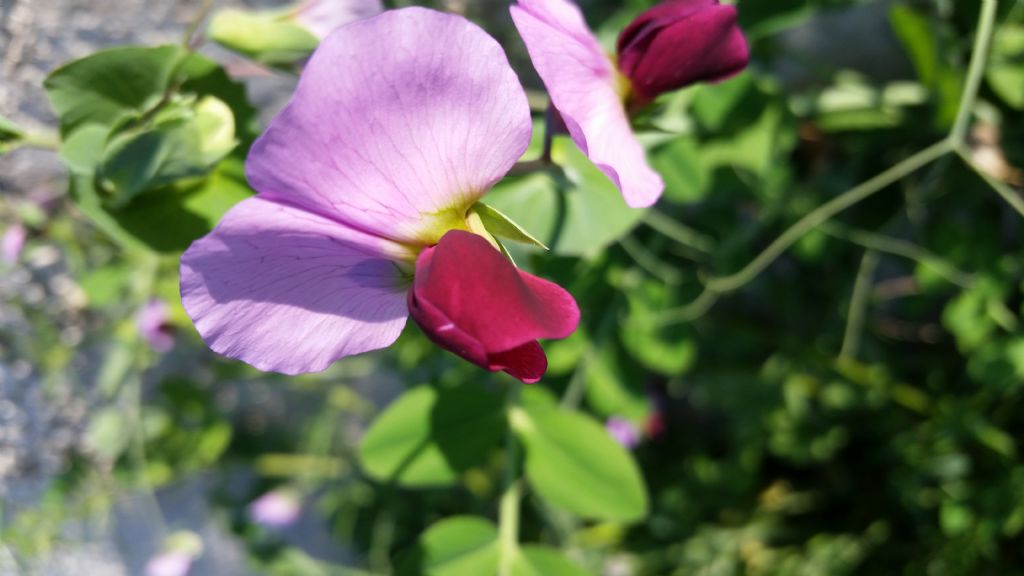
[152,323]
[12,243]
[399,125]
[678,43]
[276,509]
[623,431]
[667,47]
[169,564]
[321,17]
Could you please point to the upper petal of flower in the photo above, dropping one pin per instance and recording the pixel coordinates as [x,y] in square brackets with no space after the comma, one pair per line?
[289,291]
[680,42]
[321,17]
[399,124]
[583,85]
[470,300]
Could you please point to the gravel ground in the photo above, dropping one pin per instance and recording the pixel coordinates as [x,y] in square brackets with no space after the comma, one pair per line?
[41,423]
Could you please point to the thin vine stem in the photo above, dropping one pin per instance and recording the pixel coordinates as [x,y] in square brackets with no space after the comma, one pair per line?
[679,232]
[508,508]
[825,212]
[975,71]
[193,25]
[859,300]
[899,247]
[954,142]
[1007,193]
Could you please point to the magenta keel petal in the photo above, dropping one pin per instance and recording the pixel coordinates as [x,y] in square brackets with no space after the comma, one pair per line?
[399,124]
[583,85]
[470,300]
[289,291]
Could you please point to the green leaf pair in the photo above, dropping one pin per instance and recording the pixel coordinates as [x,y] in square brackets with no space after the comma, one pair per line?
[143,128]
[429,436]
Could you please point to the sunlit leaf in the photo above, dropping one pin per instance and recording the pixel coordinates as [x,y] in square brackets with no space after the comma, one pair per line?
[543,561]
[574,464]
[427,437]
[107,86]
[458,546]
[580,215]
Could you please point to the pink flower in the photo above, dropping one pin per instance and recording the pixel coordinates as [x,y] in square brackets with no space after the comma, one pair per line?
[399,125]
[321,17]
[678,42]
[276,509]
[12,243]
[623,431]
[173,563]
[151,322]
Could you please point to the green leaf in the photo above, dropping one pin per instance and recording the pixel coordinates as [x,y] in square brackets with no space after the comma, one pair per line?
[82,150]
[1006,72]
[141,161]
[679,163]
[108,86]
[543,561]
[266,37]
[612,388]
[574,464]
[667,350]
[9,134]
[579,215]
[169,219]
[428,436]
[502,226]
[921,38]
[458,546]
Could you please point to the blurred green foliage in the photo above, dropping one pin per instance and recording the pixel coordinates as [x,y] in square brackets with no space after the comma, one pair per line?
[852,408]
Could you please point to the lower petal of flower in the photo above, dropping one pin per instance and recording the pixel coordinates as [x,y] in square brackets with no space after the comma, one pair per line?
[289,291]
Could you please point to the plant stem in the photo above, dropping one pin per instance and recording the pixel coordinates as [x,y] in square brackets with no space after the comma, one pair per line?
[858,305]
[825,212]
[41,141]
[529,167]
[649,262]
[193,25]
[899,247]
[508,529]
[979,60]
[1007,193]
[679,232]
[691,311]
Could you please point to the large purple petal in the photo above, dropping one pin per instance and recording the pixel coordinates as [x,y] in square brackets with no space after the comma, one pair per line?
[399,124]
[289,291]
[583,84]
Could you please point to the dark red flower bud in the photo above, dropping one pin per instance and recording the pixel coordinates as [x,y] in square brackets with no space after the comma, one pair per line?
[678,43]
[470,300]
